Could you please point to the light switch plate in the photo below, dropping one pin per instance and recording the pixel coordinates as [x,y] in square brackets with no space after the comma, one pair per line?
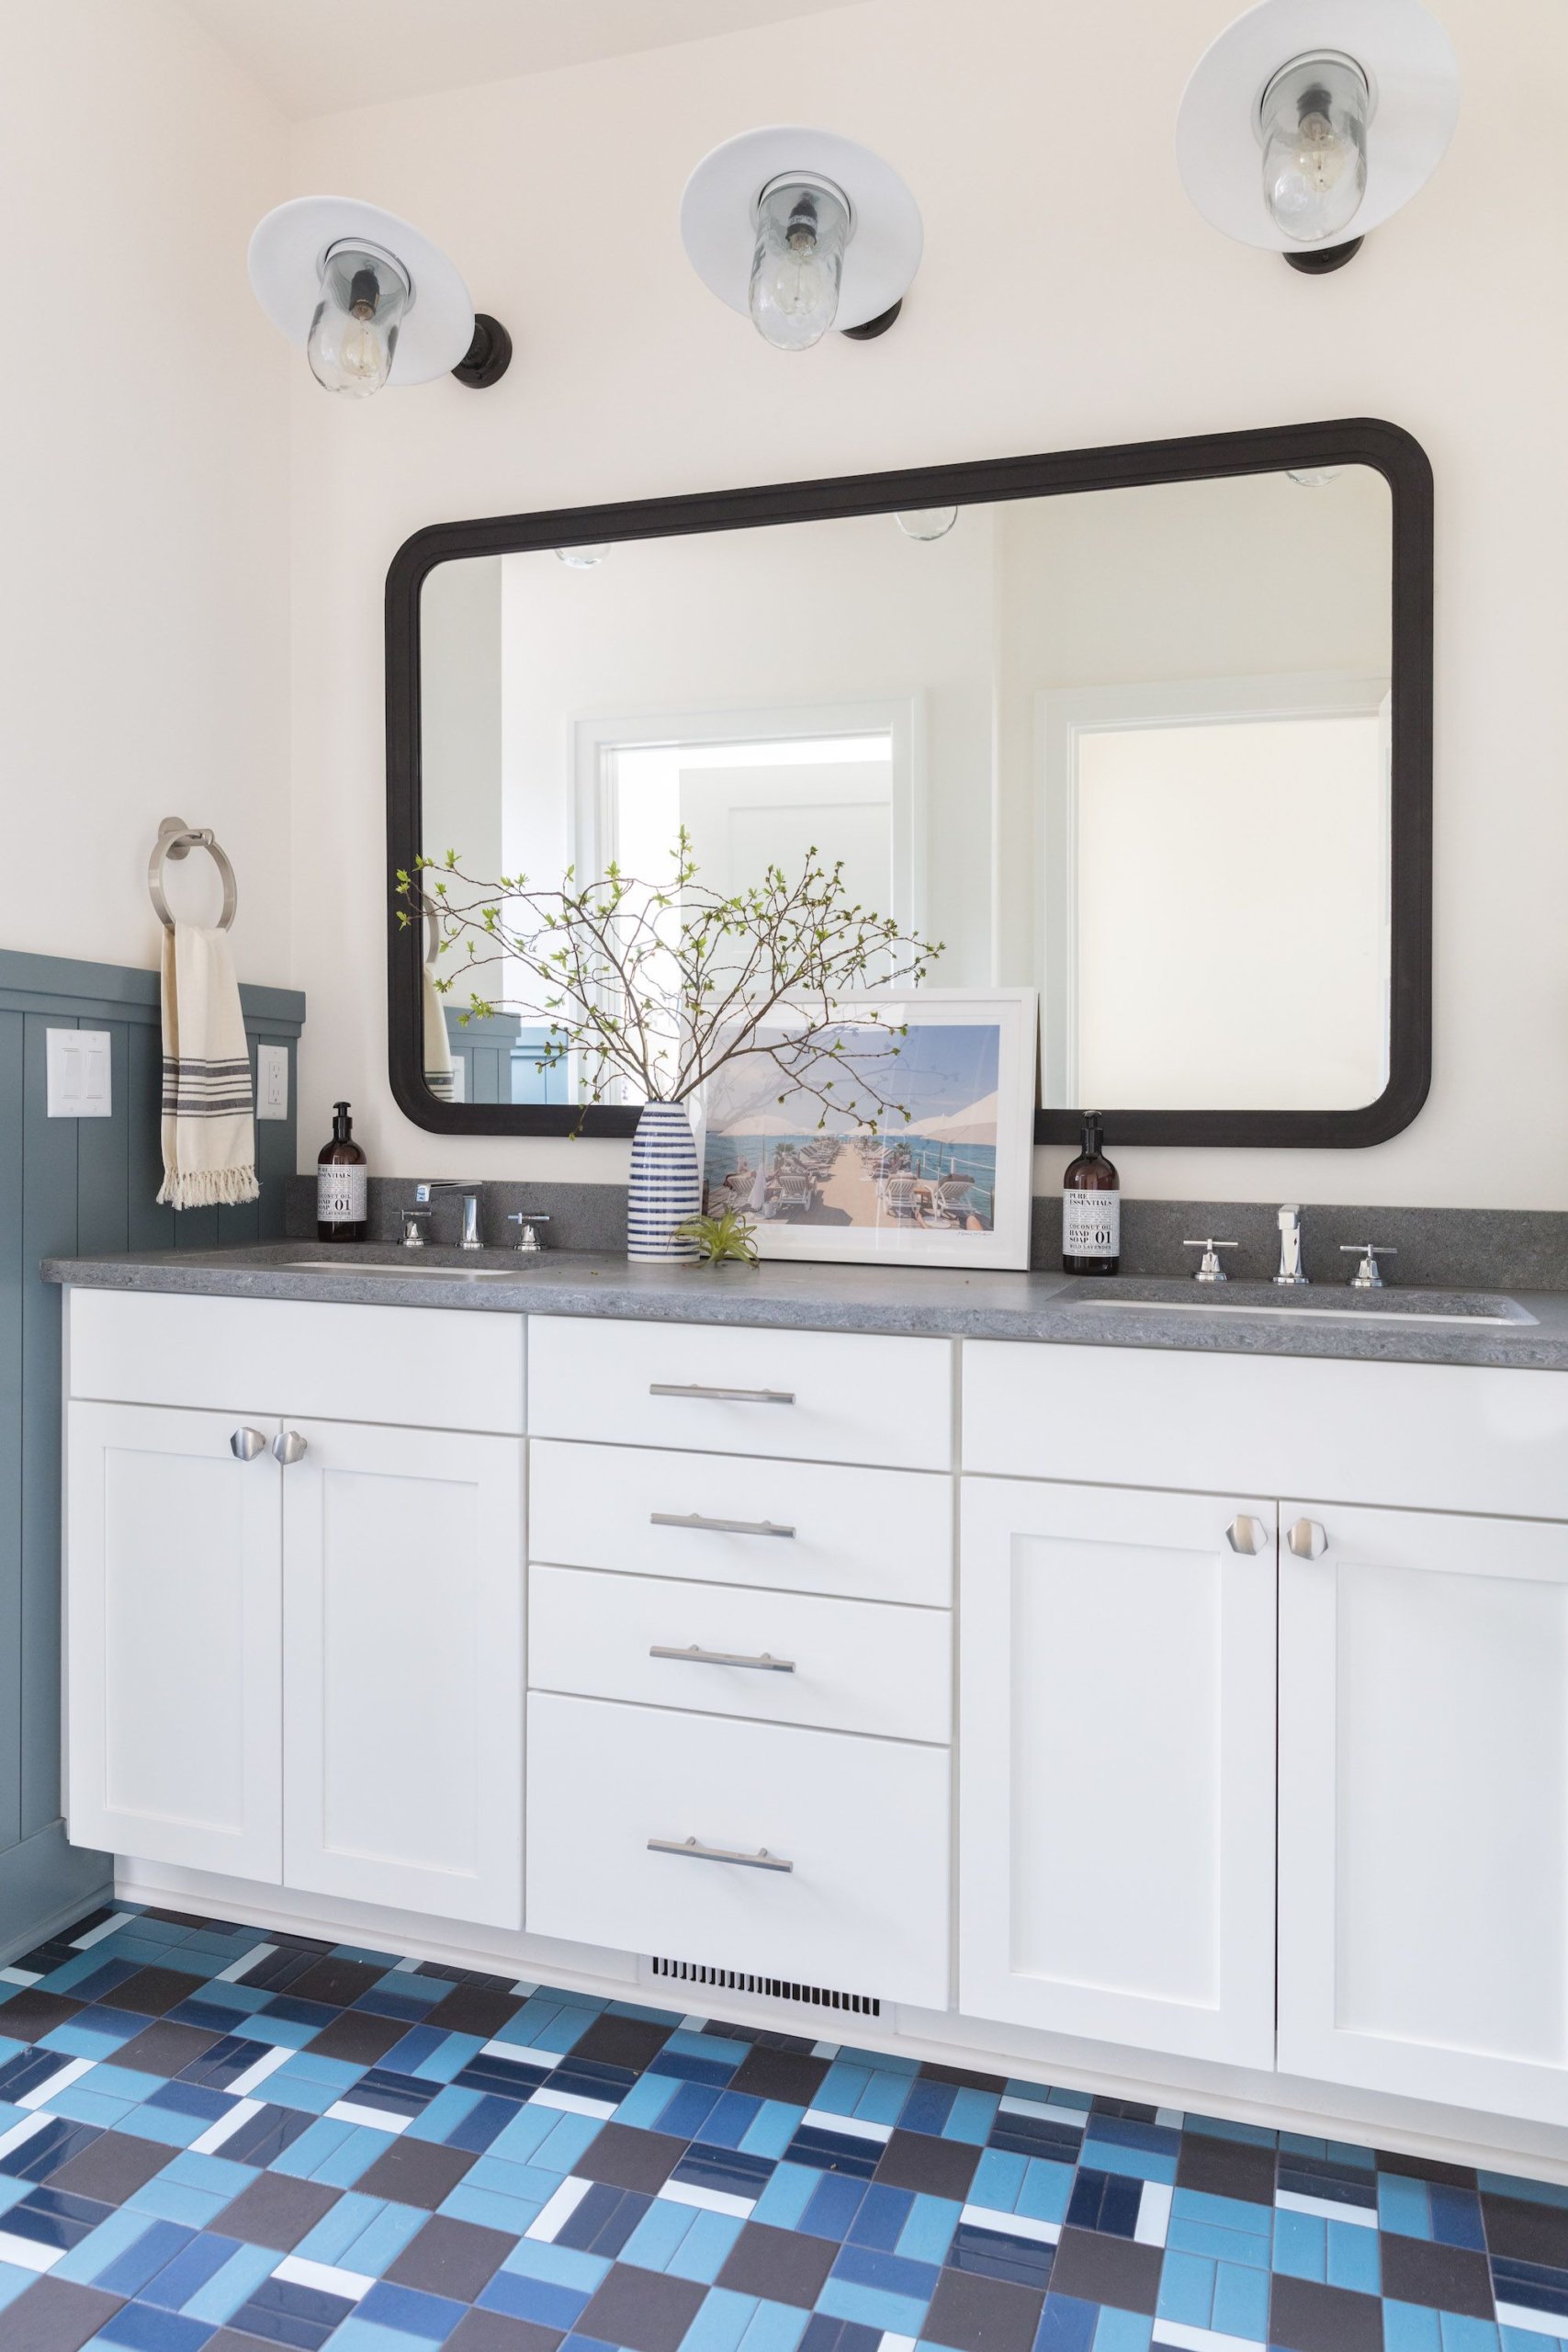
[272,1081]
[79,1074]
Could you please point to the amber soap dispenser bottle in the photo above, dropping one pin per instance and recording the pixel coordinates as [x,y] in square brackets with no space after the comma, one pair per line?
[1091,1208]
[343,1183]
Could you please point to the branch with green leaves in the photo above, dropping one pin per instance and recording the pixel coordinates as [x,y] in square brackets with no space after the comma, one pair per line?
[662,984]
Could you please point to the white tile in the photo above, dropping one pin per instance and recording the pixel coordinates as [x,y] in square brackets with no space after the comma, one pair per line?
[554,2216]
[28,2254]
[226,2126]
[297,2272]
[406,1967]
[104,1927]
[1538,2323]
[693,2025]
[708,2201]
[21,1976]
[1326,2208]
[1170,2119]
[247,1960]
[1013,2225]
[343,2111]
[22,2130]
[523,1990]
[1153,2214]
[1075,2118]
[1183,2338]
[59,2081]
[243,2085]
[569,2104]
[897,2343]
[516,2053]
[819,2120]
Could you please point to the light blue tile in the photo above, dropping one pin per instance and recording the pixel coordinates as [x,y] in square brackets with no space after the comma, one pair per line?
[721,2322]
[1186,2290]
[706,2248]
[337,2229]
[445,2112]
[770,2132]
[1224,2212]
[871,2307]
[972,2116]
[1241,2301]
[1046,2192]
[842,2086]
[220,2298]
[1299,2245]
[1121,2332]
[999,2180]
[1404,2206]
[883,2100]
[774,2327]
[658,2235]
[175,2200]
[1407,2327]
[105,2246]
[647,2100]
[383,2238]
[357,2335]
[13,2282]
[927,2231]
[489,2209]
[1133,2164]
[1461,2335]
[1353,2258]
[88,2102]
[788,2193]
[558,2266]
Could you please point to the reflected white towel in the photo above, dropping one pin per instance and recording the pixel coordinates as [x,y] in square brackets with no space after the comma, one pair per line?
[438,1042]
[210,1137]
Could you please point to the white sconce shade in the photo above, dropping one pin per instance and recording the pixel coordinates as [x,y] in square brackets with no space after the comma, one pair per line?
[804,230]
[927,522]
[369,300]
[1308,123]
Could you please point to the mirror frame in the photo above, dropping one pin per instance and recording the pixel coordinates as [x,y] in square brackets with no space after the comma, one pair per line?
[1388,449]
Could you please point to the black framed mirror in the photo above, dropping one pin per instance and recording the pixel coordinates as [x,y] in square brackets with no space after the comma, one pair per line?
[1148,728]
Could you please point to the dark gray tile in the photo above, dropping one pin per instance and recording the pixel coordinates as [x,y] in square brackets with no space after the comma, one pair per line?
[452,2258]
[150,1992]
[1306,2317]
[335,1983]
[1426,2168]
[973,2314]
[793,2077]
[780,2266]
[28,2016]
[1443,2278]
[57,2316]
[933,2166]
[1226,2168]
[622,2041]
[961,2078]
[641,2310]
[493,2332]
[163,2049]
[473,2008]
[628,2158]
[413,2172]
[112,2168]
[360,2038]
[1101,2269]
[276,2209]
[1517,2226]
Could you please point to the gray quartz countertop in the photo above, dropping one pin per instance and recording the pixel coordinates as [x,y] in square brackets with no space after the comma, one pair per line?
[1523,1329]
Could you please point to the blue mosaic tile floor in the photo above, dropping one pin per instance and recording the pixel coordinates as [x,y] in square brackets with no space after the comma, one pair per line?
[215,2138]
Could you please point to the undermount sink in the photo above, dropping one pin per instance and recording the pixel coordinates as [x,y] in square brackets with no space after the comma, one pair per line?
[397,1270]
[1339,1304]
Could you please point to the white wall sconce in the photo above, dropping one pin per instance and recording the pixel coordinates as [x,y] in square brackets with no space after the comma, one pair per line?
[927,522]
[1308,123]
[369,300]
[804,230]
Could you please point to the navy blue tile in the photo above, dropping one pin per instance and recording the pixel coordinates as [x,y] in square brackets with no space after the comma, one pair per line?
[725,2168]
[994,2254]
[1037,2134]
[834,2151]
[1105,2201]
[261,2138]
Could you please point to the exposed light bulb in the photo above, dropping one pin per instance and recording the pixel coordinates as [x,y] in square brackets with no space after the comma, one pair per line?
[1313,128]
[927,522]
[803,227]
[585,558]
[353,336]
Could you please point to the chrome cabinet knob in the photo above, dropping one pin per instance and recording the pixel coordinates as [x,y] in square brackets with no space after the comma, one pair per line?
[1307,1539]
[1247,1534]
[289,1446]
[246,1443]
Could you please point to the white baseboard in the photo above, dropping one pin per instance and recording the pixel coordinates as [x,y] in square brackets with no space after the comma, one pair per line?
[1277,2102]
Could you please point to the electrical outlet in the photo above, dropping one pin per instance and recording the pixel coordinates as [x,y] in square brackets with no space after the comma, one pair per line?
[272,1081]
[78,1069]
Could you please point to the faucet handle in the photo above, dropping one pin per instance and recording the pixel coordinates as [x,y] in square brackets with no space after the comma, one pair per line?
[1367,1275]
[1209,1269]
[414,1222]
[525,1220]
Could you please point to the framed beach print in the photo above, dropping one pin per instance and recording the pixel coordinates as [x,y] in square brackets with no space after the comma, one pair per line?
[904,1140]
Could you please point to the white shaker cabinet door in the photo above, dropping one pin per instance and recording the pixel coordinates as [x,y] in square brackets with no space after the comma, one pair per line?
[173,1637]
[1117,1737]
[403,1579]
[1424,1805]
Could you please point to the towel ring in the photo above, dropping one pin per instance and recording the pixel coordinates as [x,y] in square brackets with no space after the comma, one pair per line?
[177,840]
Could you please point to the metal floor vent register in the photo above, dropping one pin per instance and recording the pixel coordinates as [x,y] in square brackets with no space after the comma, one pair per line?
[768,1988]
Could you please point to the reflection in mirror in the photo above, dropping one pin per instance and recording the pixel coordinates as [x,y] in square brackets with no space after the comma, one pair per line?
[1129,747]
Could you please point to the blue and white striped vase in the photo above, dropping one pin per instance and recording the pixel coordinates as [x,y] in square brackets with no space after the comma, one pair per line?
[666,1184]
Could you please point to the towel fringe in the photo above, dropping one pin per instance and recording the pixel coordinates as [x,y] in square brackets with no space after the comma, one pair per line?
[206,1188]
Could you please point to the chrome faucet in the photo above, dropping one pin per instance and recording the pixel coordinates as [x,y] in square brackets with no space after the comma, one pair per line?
[1291,1273]
[470,1193]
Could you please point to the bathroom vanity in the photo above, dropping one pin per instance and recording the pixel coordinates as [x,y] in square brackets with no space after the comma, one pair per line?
[1020,1667]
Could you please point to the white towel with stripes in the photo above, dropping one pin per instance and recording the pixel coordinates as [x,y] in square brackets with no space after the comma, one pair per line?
[209,1137]
[437,1043]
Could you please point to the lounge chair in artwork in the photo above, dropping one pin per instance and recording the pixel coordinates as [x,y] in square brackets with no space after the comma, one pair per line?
[900,1197]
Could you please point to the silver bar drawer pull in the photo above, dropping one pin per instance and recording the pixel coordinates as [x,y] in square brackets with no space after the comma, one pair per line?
[717,1526]
[694,1655]
[760,1860]
[722,1396]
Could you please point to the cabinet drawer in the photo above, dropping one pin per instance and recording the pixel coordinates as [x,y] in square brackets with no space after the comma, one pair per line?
[425,1367]
[836,1665]
[1433,1437]
[793,1395]
[863,1823]
[872,1534]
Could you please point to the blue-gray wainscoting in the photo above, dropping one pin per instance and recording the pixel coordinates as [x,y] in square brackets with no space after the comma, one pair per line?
[71,1186]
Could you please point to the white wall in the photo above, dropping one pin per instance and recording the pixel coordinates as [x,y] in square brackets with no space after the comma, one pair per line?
[1070,295]
[145,587]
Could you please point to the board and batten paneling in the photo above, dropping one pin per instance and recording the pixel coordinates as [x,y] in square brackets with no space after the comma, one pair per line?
[69,1186]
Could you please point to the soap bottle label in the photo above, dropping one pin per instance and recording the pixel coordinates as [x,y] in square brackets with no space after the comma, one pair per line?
[341,1193]
[1092,1225]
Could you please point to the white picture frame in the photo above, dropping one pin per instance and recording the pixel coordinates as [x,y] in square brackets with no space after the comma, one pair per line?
[840,1195]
